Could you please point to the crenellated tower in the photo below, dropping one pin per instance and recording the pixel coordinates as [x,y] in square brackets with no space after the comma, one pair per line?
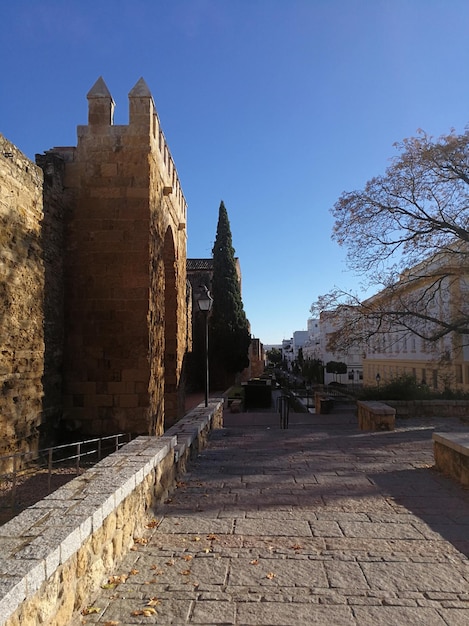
[126,326]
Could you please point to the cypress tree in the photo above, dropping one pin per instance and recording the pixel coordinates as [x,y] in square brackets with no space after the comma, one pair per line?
[229,328]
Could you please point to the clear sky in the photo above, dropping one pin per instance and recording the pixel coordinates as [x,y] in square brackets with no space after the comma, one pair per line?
[274,106]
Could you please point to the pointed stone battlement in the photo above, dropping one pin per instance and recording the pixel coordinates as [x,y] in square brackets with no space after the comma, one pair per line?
[100,104]
[141,105]
[143,132]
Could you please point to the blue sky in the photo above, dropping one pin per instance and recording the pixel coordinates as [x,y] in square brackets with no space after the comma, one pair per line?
[274,106]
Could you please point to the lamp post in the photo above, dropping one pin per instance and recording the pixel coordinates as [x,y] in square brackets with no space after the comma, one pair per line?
[205,302]
[378,378]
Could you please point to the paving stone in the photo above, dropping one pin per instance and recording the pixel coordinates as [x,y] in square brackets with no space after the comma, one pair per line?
[273,527]
[317,524]
[280,614]
[410,616]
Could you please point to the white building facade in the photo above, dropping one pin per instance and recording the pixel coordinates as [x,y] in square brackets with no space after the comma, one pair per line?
[353,359]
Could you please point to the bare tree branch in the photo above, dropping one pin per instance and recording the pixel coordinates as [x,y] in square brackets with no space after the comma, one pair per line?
[414,216]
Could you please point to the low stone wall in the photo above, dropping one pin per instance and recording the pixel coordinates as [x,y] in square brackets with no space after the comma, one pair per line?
[323,404]
[430,408]
[55,554]
[451,453]
[375,416]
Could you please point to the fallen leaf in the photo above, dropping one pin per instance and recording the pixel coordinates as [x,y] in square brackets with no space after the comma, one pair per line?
[188,557]
[168,501]
[153,602]
[170,563]
[111,623]
[297,547]
[148,612]
[195,538]
[153,524]
[181,483]
[212,537]
[133,572]
[186,572]
[254,562]
[117,580]
[141,541]
[270,575]
[90,610]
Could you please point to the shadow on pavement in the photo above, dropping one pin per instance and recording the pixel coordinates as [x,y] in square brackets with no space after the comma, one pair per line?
[441,503]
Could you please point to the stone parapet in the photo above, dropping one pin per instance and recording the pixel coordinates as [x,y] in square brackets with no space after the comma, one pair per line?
[375,416]
[56,553]
[323,403]
[451,453]
[430,408]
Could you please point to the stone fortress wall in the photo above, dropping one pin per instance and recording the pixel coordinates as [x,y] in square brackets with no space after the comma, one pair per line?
[21,302]
[95,304]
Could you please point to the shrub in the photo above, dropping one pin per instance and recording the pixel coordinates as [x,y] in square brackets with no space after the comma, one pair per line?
[401,388]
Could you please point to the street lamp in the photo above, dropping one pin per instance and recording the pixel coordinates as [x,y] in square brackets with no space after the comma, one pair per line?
[378,378]
[205,302]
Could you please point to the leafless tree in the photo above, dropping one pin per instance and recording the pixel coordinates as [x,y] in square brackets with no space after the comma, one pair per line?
[407,235]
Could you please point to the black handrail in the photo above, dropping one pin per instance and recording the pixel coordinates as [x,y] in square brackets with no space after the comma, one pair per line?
[32,462]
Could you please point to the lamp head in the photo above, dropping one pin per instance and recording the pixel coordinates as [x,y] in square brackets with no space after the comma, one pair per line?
[205,300]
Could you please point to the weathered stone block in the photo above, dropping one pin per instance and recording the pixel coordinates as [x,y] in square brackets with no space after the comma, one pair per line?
[375,416]
[451,453]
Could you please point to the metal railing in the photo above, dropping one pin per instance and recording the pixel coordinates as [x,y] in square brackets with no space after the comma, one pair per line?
[24,465]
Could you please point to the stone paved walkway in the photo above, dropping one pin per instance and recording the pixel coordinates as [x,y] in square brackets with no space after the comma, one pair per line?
[317,524]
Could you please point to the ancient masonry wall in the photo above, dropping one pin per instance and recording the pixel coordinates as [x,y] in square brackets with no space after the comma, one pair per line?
[55,203]
[21,300]
[94,303]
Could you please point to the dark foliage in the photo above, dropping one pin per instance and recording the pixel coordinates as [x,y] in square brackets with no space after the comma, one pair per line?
[229,329]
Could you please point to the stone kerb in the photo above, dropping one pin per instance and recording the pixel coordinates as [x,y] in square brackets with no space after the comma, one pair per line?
[56,553]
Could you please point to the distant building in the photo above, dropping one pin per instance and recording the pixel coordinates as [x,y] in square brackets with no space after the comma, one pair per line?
[300,337]
[397,351]
[200,274]
[312,347]
[329,322]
